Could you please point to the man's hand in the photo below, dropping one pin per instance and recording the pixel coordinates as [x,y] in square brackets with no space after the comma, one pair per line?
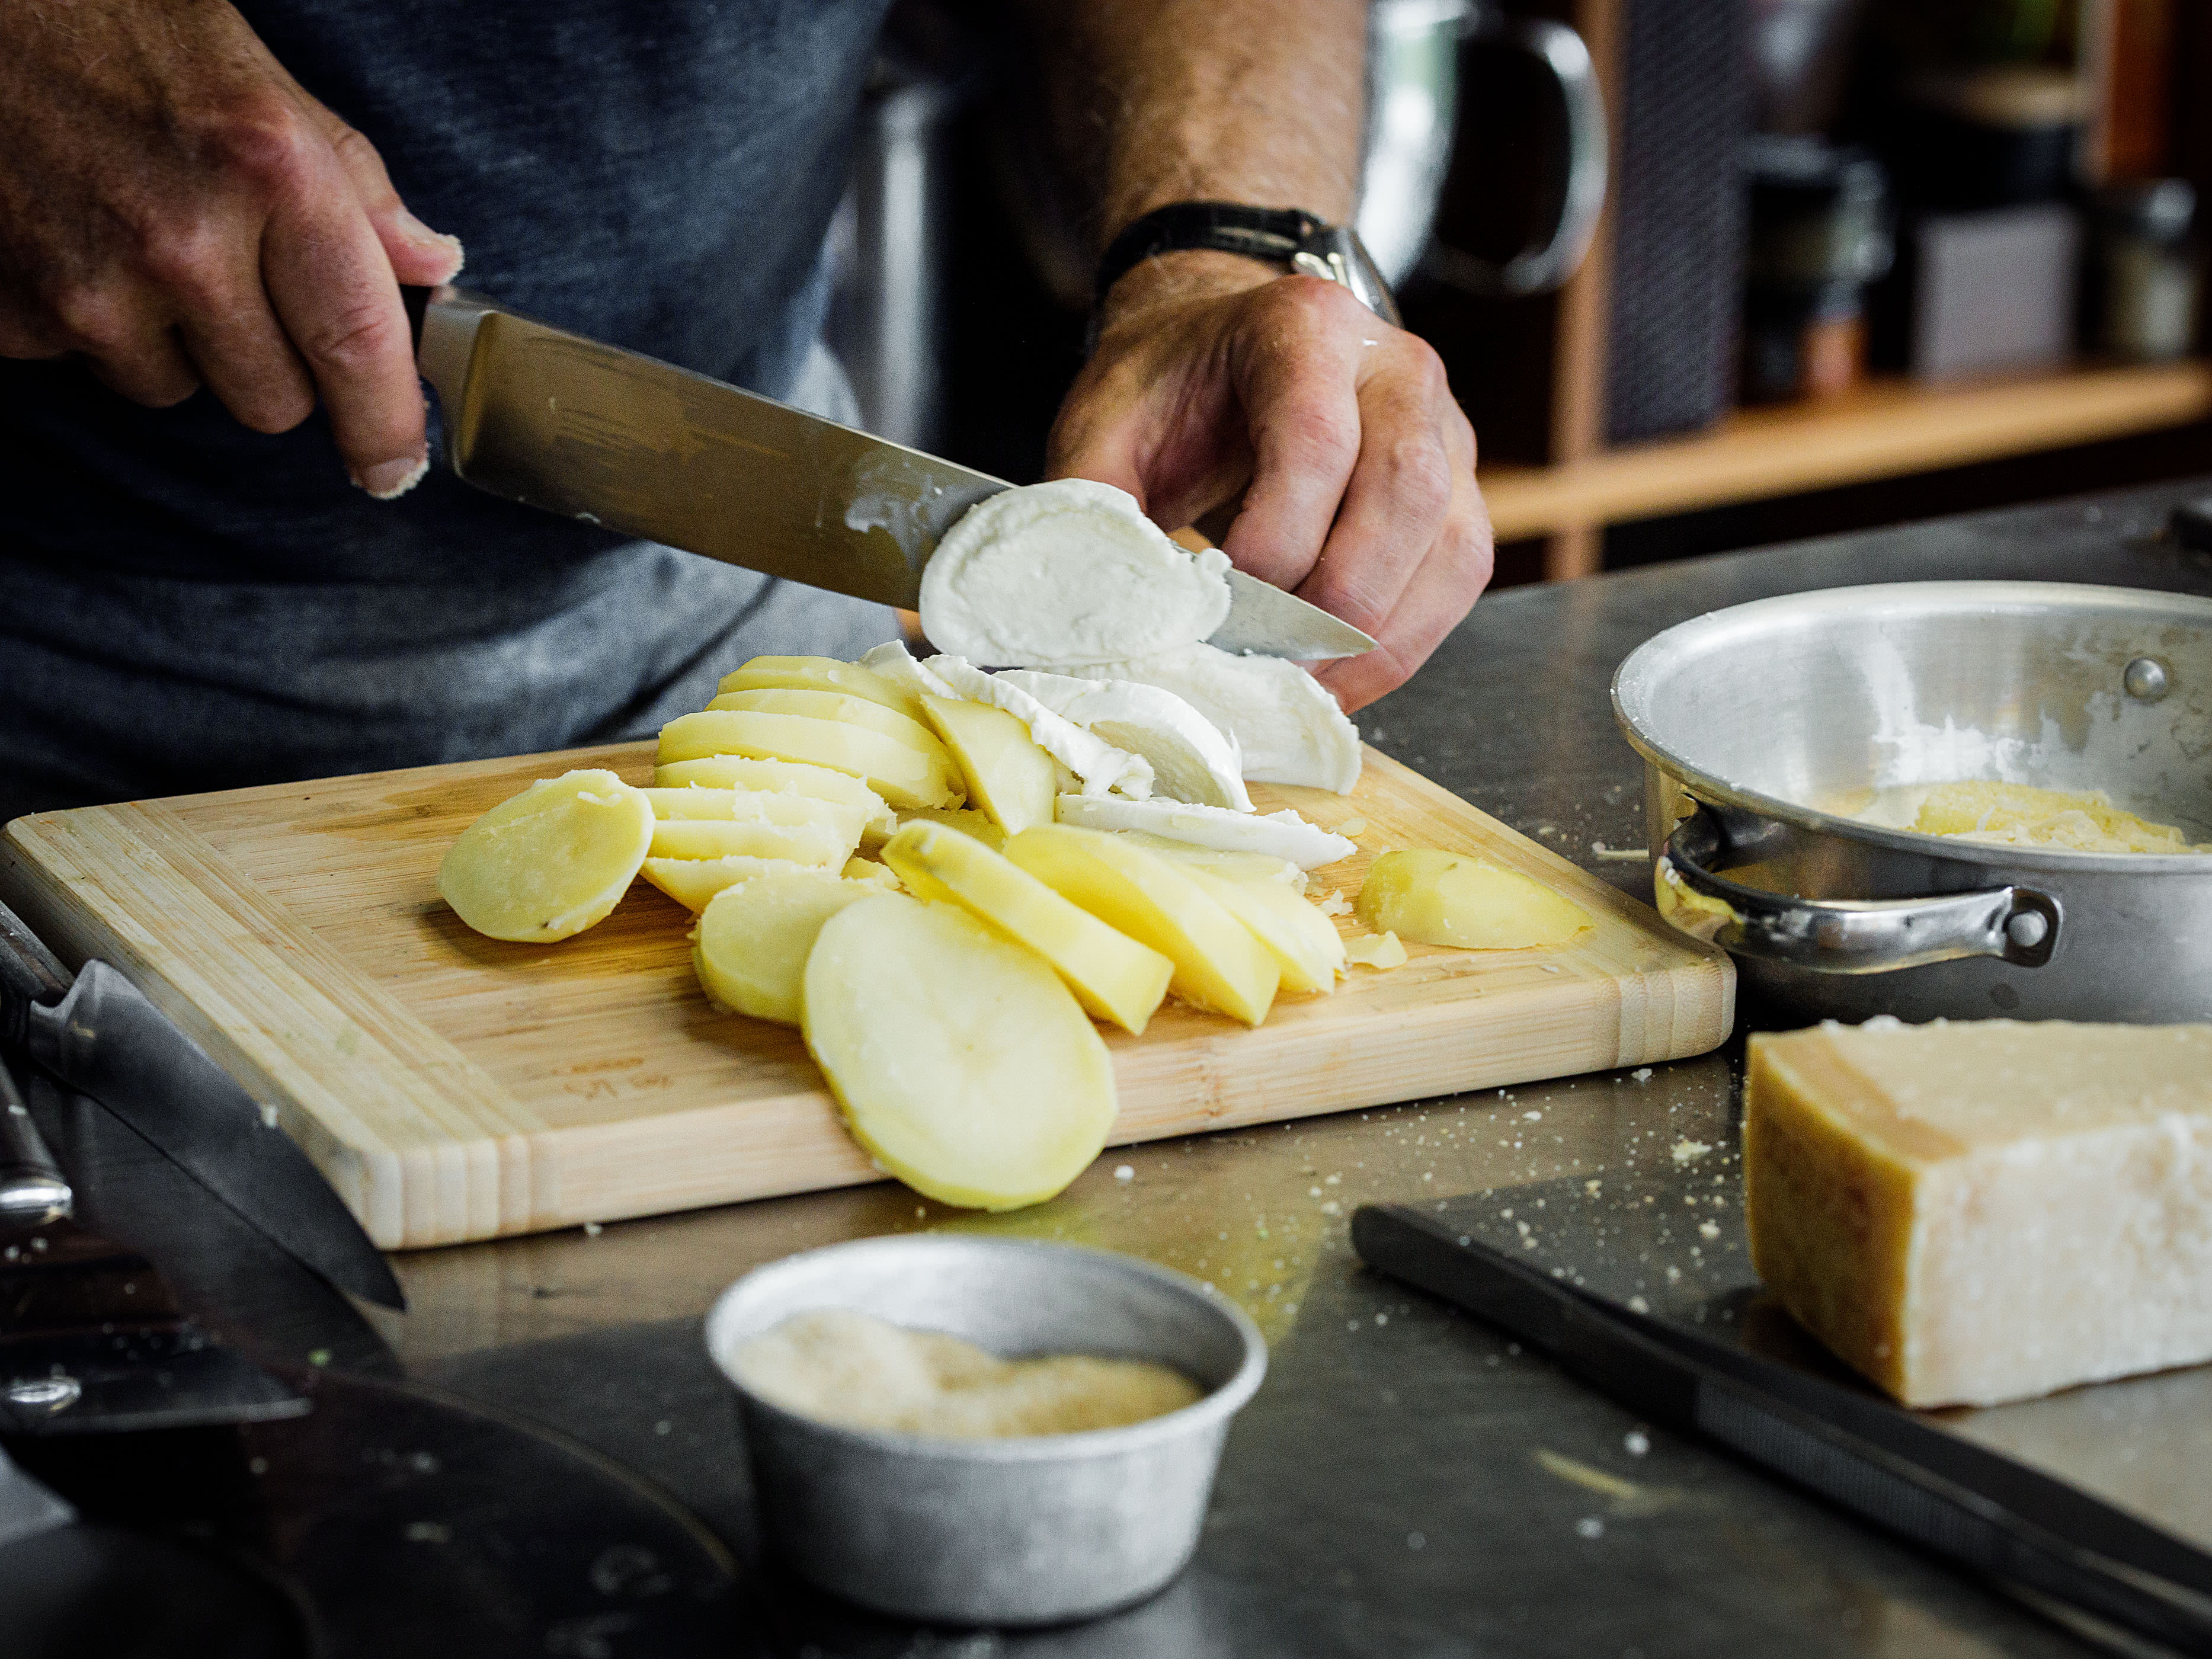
[1356,465]
[177,210]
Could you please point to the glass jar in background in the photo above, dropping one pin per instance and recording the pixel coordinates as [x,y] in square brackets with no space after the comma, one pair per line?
[2147,271]
[1820,234]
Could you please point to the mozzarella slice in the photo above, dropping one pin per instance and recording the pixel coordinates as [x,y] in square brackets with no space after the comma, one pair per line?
[1191,761]
[1286,724]
[891,660]
[1067,571]
[1281,835]
[1098,765]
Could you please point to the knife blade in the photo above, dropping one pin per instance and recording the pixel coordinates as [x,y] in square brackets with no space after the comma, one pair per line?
[92,1341]
[552,420]
[101,1037]
[26,1508]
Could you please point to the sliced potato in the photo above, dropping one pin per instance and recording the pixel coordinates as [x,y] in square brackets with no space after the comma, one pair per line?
[1217,962]
[1113,976]
[783,778]
[966,819]
[903,775]
[719,838]
[962,1063]
[751,946]
[1007,775]
[692,882]
[1458,900]
[1307,949]
[821,674]
[548,863]
[849,824]
[1235,867]
[845,709]
[877,875]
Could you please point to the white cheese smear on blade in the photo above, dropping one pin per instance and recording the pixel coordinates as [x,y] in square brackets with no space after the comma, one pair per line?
[1191,761]
[1067,571]
[1287,726]
[837,1366]
[1281,835]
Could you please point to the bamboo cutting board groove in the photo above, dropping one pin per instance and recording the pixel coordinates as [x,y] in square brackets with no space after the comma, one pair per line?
[453,1087]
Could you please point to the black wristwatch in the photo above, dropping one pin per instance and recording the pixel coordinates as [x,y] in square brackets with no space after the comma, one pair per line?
[1286,237]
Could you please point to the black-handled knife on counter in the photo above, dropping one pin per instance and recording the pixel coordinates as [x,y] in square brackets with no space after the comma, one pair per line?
[95,1032]
[92,1341]
[536,414]
[1971,1506]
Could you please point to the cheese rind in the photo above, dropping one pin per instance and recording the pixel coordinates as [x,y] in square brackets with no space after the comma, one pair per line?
[1973,1213]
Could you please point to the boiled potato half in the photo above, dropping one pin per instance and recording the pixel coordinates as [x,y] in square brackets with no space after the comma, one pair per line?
[960,1061]
[1307,951]
[1458,900]
[1113,976]
[752,942]
[1217,962]
[820,674]
[1007,775]
[905,775]
[548,863]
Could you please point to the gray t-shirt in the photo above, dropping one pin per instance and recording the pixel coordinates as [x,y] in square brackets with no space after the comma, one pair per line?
[185,604]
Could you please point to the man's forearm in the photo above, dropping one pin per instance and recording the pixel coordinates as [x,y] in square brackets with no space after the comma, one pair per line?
[1156,101]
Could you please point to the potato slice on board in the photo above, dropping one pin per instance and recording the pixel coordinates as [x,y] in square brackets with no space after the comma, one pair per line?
[846,824]
[903,775]
[719,838]
[966,819]
[820,674]
[1217,962]
[548,863]
[845,709]
[1232,867]
[1007,775]
[751,943]
[1307,949]
[1468,904]
[962,1063]
[692,882]
[783,778]
[876,875]
[1113,976]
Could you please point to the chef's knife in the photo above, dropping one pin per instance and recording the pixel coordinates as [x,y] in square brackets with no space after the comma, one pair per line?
[101,1037]
[26,1508]
[91,1339]
[558,421]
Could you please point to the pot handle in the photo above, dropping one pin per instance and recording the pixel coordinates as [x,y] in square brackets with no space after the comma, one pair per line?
[1844,936]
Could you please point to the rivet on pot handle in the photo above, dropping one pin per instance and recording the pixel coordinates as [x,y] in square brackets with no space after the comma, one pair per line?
[1844,936]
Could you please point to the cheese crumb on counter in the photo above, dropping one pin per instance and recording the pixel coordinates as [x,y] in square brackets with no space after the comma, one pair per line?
[1978,1212]
[857,1371]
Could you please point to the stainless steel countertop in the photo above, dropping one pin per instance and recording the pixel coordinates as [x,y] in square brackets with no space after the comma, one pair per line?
[1406,1482]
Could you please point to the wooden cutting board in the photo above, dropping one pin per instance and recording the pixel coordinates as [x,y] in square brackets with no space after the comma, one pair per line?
[454,1087]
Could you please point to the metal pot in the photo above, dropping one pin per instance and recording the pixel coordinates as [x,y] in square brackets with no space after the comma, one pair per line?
[1761,727]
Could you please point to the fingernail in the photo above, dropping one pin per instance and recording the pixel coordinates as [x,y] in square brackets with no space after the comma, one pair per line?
[387,481]
[423,237]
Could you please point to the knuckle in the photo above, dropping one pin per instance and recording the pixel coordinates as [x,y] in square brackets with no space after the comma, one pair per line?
[351,336]
[267,142]
[1421,476]
[92,317]
[1322,431]
[183,256]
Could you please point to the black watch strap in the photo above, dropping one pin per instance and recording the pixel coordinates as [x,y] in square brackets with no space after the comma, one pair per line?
[1290,238]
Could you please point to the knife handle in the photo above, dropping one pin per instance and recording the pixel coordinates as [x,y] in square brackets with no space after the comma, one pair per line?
[32,1190]
[28,973]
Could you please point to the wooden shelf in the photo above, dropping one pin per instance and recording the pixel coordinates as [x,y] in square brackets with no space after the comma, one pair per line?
[1884,430]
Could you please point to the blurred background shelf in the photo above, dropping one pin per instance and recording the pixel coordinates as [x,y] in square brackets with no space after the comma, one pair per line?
[1887,428]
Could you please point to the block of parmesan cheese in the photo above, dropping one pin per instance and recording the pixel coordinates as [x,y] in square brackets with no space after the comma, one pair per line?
[1975,1212]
